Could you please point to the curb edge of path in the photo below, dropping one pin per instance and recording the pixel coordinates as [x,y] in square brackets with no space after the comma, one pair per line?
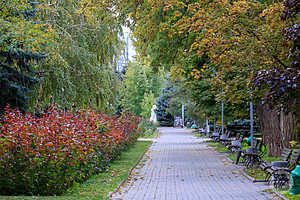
[280,195]
[109,196]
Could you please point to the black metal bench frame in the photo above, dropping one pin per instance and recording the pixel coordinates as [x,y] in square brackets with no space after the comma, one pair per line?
[279,176]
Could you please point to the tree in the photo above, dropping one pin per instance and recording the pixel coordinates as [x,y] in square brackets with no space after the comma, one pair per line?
[281,85]
[240,38]
[162,104]
[21,45]
[140,87]
[147,104]
[82,69]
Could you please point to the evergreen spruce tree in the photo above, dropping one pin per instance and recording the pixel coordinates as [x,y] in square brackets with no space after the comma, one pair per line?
[163,117]
[16,71]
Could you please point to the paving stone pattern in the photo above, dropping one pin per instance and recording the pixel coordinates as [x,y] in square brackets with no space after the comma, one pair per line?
[180,166]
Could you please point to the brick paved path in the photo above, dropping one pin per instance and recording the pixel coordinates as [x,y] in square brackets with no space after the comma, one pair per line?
[180,166]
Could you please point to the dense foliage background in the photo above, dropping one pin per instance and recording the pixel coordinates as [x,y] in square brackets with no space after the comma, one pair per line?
[140,88]
[231,51]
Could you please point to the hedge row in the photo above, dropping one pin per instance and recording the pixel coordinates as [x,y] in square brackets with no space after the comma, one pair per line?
[47,155]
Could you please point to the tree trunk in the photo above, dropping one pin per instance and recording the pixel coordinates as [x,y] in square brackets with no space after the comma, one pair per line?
[288,128]
[270,128]
[215,121]
[278,128]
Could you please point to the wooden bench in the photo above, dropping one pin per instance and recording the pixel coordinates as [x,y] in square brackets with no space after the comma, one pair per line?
[279,175]
[253,156]
[284,157]
[225,138]
[236,144]
[216,135]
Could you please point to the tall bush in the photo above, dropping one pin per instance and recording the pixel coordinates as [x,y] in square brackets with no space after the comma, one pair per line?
[163,103]
[47,155]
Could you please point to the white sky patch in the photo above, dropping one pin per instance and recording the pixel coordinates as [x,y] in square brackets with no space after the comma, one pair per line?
[131,49]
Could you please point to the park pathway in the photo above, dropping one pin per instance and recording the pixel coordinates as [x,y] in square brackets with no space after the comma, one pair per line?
[179,166]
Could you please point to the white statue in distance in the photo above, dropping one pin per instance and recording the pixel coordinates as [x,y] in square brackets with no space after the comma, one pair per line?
[153,118]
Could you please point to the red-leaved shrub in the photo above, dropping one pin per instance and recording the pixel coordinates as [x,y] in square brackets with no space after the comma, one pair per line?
[47,155]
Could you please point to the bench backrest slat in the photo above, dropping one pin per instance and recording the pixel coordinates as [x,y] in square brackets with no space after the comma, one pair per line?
[285,154]
[294,157]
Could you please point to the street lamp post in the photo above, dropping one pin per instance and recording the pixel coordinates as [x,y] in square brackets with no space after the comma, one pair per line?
[222,117]
[182,115]
[207,127]
[222,112]
[251,114]
[251,123]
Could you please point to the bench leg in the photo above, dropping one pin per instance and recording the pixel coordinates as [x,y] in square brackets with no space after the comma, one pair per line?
[279,179]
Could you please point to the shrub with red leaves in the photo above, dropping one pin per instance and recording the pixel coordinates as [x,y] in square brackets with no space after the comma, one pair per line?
[47,155]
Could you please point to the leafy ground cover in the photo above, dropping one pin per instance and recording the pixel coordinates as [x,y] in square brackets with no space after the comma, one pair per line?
[98,186]
[49,154]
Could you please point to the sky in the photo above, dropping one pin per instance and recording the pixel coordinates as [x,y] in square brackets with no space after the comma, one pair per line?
[131,50]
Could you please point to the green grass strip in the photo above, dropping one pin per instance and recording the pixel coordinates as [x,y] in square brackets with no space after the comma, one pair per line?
[257,174]
[98,186]
[219,147]
[200,135]
[289,196]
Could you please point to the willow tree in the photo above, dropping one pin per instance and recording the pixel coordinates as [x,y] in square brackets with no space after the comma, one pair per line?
[82,68]
[140,88]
